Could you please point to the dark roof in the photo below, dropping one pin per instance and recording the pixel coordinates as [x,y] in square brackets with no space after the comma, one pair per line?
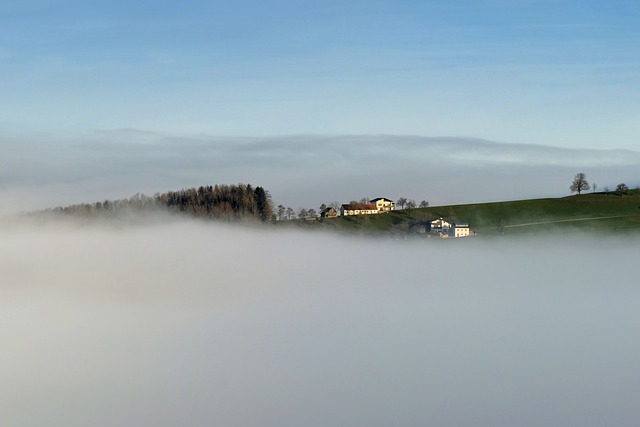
[360,206]
[380,198]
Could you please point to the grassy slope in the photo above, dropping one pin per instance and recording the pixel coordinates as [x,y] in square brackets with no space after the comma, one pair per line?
[587,212]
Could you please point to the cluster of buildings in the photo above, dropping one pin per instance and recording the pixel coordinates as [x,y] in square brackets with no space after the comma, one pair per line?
[375,206]
[445,229]
[379,205]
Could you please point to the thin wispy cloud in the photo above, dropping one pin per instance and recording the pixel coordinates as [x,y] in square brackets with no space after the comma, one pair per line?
[558,73]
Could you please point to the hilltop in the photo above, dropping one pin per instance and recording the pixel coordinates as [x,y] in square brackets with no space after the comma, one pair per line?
[594,212]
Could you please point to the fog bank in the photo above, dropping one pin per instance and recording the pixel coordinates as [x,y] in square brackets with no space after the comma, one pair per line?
[299,171]
[196,324]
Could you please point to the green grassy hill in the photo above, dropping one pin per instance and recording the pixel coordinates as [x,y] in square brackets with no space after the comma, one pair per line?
[587,212]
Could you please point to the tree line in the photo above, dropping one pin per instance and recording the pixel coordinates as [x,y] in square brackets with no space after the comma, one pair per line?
[226,202]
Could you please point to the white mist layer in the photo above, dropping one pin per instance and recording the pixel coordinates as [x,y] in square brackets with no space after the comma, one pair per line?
[200,325]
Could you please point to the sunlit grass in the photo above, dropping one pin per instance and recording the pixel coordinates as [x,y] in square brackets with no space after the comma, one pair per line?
[587,212]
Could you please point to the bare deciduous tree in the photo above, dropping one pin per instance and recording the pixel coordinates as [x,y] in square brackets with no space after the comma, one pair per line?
[579,183]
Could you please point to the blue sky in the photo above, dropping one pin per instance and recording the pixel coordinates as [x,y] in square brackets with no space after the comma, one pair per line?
[562,73]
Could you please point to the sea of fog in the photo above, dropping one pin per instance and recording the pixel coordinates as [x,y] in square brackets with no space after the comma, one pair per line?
[195,324]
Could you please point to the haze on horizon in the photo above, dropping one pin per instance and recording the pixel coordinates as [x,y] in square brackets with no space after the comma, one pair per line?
[300,171]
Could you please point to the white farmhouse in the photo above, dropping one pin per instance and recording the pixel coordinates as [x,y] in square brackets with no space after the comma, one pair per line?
[440,226]
[359,209]
[383,204]
[460,230]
